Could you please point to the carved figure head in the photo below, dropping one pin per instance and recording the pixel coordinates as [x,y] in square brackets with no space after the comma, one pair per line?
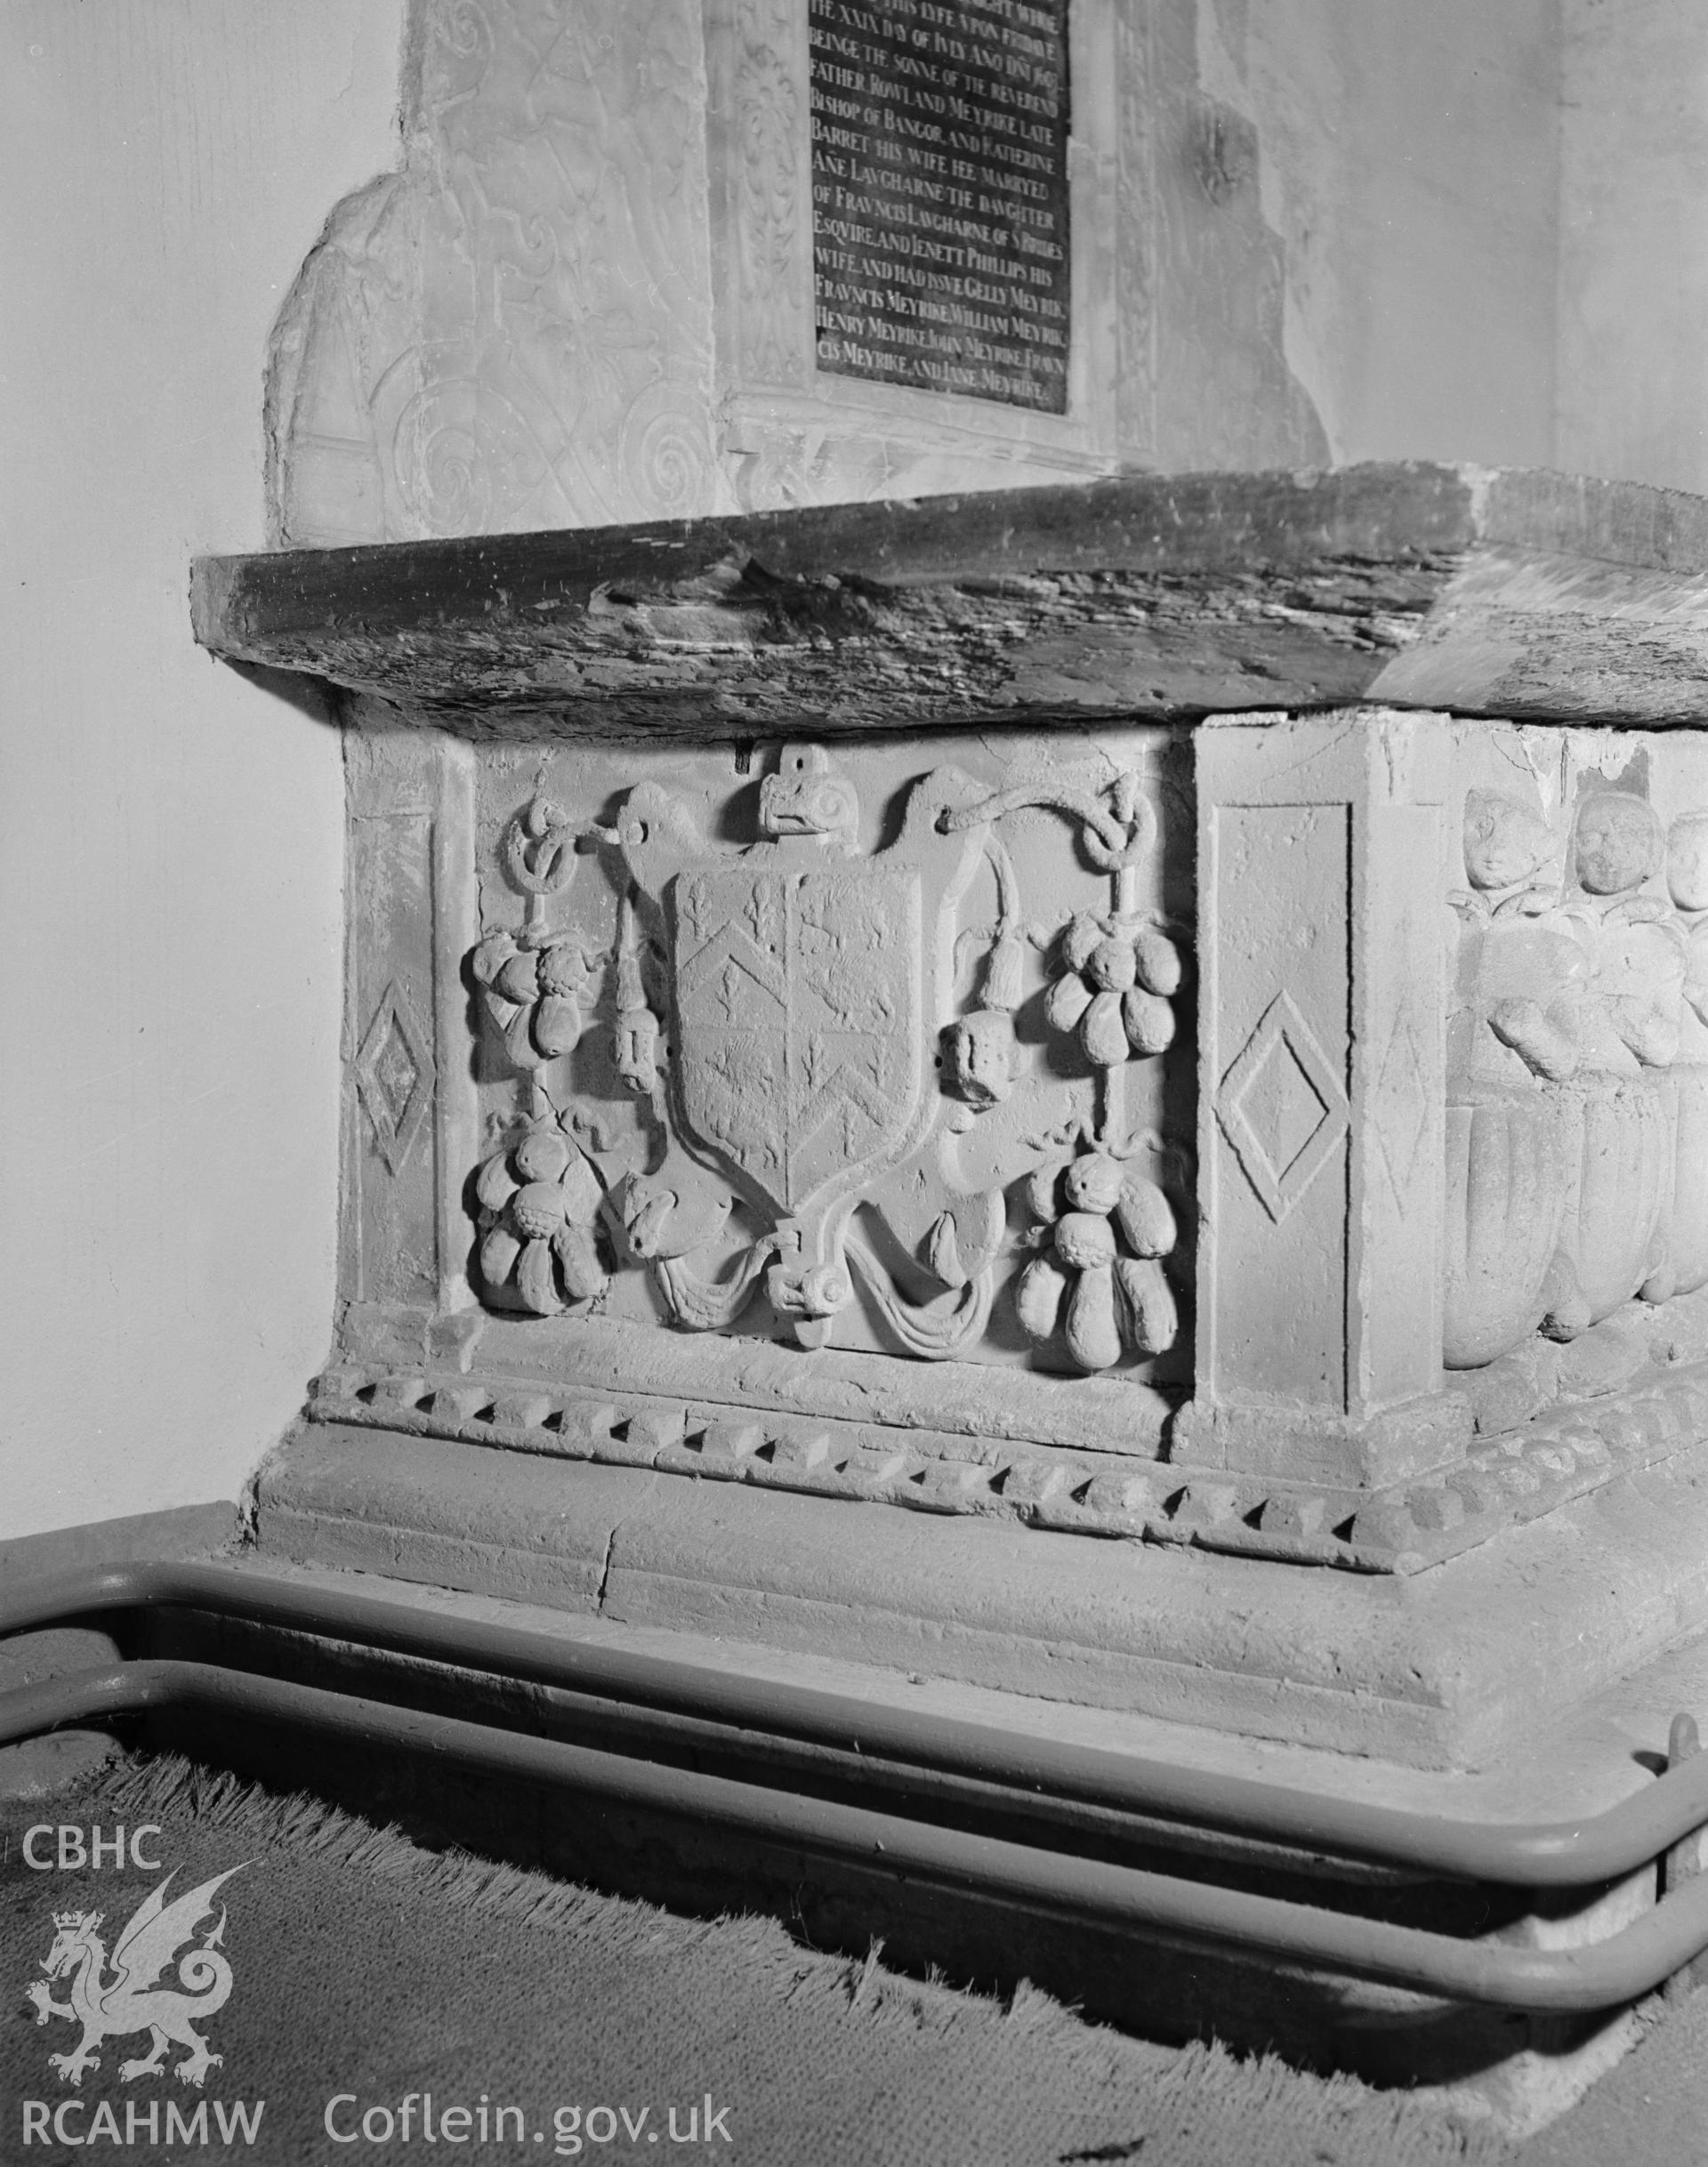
[1504,842]
[807,796]
[1686,861]
[1617,843]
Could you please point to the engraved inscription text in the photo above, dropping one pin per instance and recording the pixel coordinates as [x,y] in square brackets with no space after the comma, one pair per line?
[939,191]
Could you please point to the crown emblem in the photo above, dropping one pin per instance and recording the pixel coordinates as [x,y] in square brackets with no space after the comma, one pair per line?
[91,1919]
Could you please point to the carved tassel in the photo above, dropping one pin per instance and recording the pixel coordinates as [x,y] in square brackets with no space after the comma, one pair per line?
[637,1049]
[1145,1219]
[1094,1331]
[1149,1021]
[1038,1297]
[557,1026]
[637,1028]
[1157,962]
[1066,1001]
[631,990]
[535,1281]
[1003,971]
[583,1273]
[978,1052]
[1151,1315]
[1101,1033]
[498,1254]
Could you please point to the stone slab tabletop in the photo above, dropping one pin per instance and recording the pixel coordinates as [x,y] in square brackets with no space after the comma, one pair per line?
[1504,592]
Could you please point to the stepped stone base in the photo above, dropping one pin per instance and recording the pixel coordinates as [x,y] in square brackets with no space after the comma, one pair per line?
[1475,2066]
[1442,1669]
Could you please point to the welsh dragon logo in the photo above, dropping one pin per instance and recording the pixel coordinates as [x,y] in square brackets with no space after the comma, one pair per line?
[129,1998]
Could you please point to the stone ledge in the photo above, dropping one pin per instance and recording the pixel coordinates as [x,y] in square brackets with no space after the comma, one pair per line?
[1589,1764]
[1486,592]
[1579,1447]
[1445,1669]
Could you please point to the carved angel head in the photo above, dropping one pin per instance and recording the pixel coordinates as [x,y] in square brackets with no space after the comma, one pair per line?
[1615,844]
[1504,842]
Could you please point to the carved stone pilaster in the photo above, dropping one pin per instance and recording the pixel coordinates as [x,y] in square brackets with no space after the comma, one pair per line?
[409,1106]
[1321,1008]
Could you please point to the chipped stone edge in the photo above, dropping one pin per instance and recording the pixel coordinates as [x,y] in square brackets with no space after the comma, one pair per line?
[1403,1529]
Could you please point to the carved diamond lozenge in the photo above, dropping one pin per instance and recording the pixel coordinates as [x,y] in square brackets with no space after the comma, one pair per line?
[1402,1110]
[1282,1107]
[394,1077]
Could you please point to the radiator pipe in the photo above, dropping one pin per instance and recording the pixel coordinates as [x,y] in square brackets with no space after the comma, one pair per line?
[1528,1854]
[1598,1976]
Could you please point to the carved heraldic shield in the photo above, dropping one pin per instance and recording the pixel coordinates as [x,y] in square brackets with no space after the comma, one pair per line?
[798,1010]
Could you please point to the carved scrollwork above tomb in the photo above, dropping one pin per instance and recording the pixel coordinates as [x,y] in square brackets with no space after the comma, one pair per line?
[514,330]
[768,230]
[840,1057]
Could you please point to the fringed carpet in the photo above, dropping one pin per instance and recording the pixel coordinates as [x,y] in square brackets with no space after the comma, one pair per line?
[382,2003]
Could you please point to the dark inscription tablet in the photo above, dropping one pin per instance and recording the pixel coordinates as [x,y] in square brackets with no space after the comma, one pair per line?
[939,194]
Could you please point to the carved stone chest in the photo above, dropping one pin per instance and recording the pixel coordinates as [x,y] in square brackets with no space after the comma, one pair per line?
[979,1086]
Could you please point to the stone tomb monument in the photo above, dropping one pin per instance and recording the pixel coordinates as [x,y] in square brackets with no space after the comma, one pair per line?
[894,1117]
[1088,1101]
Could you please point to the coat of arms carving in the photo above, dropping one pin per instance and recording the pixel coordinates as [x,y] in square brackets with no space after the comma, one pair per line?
[825,1062]
[798,1014]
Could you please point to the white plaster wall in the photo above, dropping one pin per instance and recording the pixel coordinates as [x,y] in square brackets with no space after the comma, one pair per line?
[1410,163]
[170,835]
[1633,254]
[1495,221]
